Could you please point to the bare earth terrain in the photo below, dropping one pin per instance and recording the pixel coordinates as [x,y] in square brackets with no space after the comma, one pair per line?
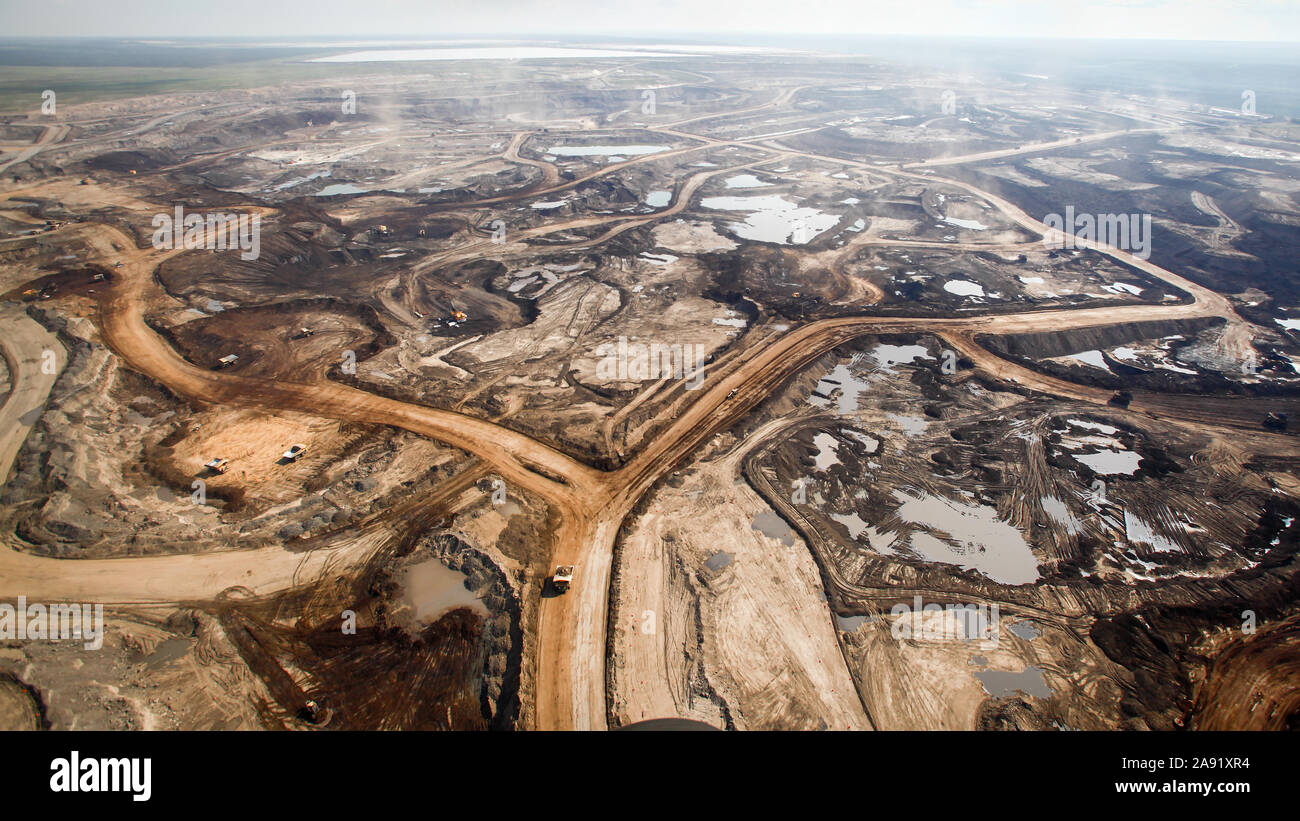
[769,361]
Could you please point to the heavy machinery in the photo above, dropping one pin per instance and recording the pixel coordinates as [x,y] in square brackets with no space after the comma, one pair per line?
[217,465]
[292,454]
[563,577]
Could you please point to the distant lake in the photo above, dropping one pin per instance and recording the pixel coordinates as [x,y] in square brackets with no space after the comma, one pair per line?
[481,53]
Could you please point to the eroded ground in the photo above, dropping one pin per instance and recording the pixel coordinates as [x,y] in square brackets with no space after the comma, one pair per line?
[764,361]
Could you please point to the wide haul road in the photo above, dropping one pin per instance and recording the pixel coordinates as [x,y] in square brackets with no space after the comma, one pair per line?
[589,505]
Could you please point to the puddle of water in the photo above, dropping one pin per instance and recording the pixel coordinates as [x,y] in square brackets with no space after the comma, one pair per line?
[341,188]
[525,278]
[1003,683]
[719,560]
[746,181]
[1110,462]
[296,181]
[1060,513]
[890,355]
[520,284]
[849,386]
[963,287]
[979,540]
[872,444]
[826,451]
[1109,430]
[848,624]
[970,225]
[911,425]
[773,218]
[1024,630]
[166,651]
[1122,288]
[773,526]
[852,522]
[509,509]
[658,199]
[882,543]
[429,588]
[1093,358]
[1136,530]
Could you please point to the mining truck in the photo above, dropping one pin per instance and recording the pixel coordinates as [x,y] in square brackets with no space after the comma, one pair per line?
[563,577]
[217,465]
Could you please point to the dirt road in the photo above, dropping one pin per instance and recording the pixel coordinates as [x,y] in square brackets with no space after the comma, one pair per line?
[204,577]
[1033,148]
[589,505]
[32,372]
[50,136]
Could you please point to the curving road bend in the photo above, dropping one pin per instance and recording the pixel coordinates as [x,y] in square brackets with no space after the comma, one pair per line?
[590,505]
[24,345]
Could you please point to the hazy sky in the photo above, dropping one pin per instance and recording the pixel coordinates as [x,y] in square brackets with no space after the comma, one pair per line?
[1142,19]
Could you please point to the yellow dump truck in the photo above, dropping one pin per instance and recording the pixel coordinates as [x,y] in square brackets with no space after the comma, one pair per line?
[217,465]
[563,577]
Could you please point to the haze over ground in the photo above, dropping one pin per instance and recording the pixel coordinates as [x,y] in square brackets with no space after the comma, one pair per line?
[1246,20]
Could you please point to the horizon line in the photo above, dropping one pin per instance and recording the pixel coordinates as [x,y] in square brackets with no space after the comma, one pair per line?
[407,37]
